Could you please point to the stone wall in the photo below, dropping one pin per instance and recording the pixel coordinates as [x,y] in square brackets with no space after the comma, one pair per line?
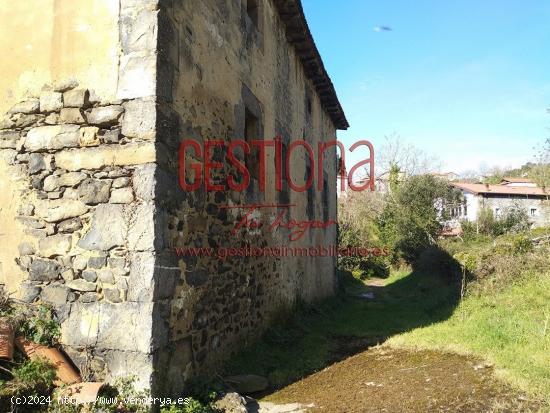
[210,76]
[85,208]
[538,208]
[93,209]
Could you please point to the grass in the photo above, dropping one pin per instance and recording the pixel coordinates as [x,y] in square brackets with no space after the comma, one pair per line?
[504,318]
[510,328]
[312,339]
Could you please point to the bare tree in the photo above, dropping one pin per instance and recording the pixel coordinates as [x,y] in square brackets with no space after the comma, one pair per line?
[541,170]
[396,152]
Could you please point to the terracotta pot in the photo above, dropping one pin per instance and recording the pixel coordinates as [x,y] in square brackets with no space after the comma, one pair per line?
[6,339]
[81,393]
[66,373]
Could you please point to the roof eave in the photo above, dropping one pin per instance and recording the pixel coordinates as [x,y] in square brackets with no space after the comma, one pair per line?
[299,35]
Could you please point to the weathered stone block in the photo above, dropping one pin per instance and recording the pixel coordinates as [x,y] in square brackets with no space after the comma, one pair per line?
[112,295]
[51,183]
[60,209]
[52,119]
[121,182]
[26,209]
[52,137]
[24,262]
[122,283]
[139,31]
[97,262]
[9,140]
[29,106]
[117,262]
[132,5]
[125,326]
[55,295]
[97,158]
[137,75]
[94,191]
[9,135]
[106,277]
[26,248]
[70,193]
[80,263]
[9,156]
[71,115]
[140,119]
[54,245]
[112,136]
[142,272]
[144,182]
[105,115]
[24,121]
[121,196]
[108,229]
[51,101]
[76,98]
[119,363]
[89,275]
[31,222]
[141,231]
[68,275]
[36,163]
[6,123]
[71,178]
[89,297]
[28,292]
[70,225]
[43,270]
[81,285]
[88,136]
[65,84]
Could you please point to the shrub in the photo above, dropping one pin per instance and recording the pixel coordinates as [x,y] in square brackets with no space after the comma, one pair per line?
[41,327]
[411,218]
[522,245]
[357,228]
[513,220]
[469,230]
[31,378]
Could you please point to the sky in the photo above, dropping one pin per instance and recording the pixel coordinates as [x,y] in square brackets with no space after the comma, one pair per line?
[466,81]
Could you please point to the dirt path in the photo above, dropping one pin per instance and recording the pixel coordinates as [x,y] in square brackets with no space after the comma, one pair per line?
[383,379]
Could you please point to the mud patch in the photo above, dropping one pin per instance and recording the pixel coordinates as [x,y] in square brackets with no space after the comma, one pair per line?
[383,379]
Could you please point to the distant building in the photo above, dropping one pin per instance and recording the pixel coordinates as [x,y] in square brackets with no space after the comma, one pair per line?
[448,176]
[383,181]
[518,182]
[510,192]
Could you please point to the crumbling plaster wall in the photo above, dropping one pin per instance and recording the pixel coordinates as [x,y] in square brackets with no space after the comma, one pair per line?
[46,41]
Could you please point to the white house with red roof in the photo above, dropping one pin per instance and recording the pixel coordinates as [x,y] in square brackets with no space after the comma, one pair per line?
[509,193]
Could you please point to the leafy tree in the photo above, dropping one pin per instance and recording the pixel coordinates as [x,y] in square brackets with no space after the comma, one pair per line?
[357,215]
[411,218]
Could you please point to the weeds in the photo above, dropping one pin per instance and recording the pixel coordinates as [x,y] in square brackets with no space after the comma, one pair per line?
[190,405]
[41,327]
[31,378]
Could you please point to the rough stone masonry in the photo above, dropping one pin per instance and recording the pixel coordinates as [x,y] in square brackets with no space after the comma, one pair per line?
[93,208]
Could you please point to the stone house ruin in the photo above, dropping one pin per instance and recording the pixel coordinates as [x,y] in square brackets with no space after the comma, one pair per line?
[97,97]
